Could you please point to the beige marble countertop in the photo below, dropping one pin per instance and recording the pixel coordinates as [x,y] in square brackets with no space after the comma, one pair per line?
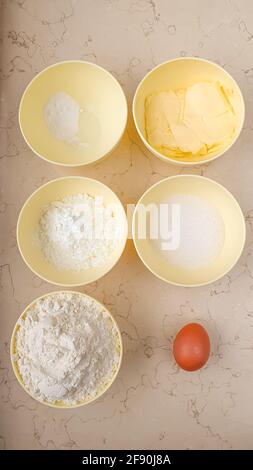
[152,404]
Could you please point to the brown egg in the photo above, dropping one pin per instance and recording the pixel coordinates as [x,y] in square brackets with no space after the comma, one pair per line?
[191,347]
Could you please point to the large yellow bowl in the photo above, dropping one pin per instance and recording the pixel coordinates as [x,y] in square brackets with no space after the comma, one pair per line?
[60,404]
[27,228]
[219,198]
[96,91]
[182,73]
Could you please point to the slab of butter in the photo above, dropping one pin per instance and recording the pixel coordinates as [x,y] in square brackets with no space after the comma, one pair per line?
[189,122]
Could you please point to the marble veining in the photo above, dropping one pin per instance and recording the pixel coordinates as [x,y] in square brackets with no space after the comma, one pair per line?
[153,404]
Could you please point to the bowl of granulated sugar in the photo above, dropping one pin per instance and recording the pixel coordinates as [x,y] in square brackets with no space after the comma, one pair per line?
[72,231]
[66,349]
[188,230]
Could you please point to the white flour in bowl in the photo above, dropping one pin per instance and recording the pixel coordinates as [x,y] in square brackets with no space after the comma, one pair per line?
[78,232]
[67,348]
[61,115]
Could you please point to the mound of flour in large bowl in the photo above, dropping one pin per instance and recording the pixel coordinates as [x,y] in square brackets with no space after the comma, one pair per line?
[67,348]
[78,232]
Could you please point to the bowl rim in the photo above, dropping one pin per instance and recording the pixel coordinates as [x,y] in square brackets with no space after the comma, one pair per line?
[178,161]
[85,62]
[243,227]
[85,178]
[16,370]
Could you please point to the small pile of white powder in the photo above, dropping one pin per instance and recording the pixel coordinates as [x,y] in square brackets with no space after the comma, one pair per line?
[67,348]
[61,115]
[78,232]
[201,232]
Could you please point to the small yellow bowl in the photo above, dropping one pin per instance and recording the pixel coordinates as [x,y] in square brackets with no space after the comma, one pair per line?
[60,404]
[96,91]
[221,200]
[182,73]
[28,221]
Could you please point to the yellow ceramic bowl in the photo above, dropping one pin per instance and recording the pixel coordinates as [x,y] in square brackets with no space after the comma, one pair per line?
[60,404]
[182,73]
[101,125]
[28,221]
[221,200]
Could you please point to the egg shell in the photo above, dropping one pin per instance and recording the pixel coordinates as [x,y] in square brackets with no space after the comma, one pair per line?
[191,347]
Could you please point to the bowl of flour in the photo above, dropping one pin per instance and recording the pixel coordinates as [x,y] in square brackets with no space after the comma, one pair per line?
[72,231]
[66,349]
[73,113]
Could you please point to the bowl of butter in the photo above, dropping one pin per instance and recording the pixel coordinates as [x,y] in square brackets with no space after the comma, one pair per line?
[188,111]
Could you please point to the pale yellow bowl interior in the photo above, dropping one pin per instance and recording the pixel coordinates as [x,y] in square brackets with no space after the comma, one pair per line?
[182,73]
[220,199]
[60,404]
[28,227]
[94,89]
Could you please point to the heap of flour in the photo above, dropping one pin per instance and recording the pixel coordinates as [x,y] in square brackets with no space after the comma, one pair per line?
[78,232]
[61,115]
[67,348]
